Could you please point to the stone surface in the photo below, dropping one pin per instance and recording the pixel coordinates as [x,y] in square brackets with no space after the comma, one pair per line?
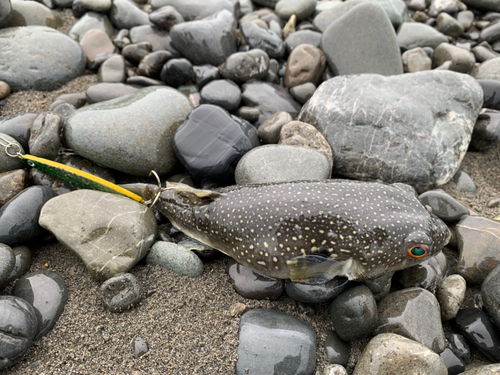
[274,342]
[490,292]
[18,126]
[177,72]
[488,5]
[112,70]
[165,17]
[89,21]
[302,93]
[449,25]
[31,13]
[269,98]
[352,47]
[310,37]
[479,248]
[7,162]
[305,64]
[11,184]
[396,10]
[108,133]
[160,40]
[211,142]
[152,64]
[224,93]
[7,262]
[45,135]
[176,258]
[47,292]
[197,9]
[413,34]
[432,100]
[243,66]
[301,8]
[97,5]
[110,233]
[18,324]
[208,41]
[354,313]
[102,92]
[401,312]
[490,69]
[19,217]
[38,58]
[444,205]
[22,263]
[450,295]
[416,60]
[320,293]
[252,285]
[427,275]
[125,14]
[280,163]
[264,39]
[462,61]
[491,91]
[95,42]
[5,13]
[389,353]
[486,369]
[120,292]
[269,130]
[338,351]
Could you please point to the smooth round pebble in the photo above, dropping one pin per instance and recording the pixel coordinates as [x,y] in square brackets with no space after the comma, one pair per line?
[120,292]
[224,93]
[450,294]
[4,89]
[337,350]
[269,130]
[176,258]
[22,263]
[7,262]
[252,285]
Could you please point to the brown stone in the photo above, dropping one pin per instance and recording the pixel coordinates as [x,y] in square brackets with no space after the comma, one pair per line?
[4,89]
[306,63]
[11,184]
[297,133]
[94,42]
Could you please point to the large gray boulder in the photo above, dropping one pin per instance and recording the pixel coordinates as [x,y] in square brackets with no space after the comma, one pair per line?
[413,128]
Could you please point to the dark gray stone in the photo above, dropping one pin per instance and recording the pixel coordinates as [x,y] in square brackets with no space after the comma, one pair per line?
[490,291]
[303,37]
[253,285]
[428,274]
[197,9]
[106,133]
[177,72]
[264,39]
[151,65]
[7,263]
[460,345]
[125,14]
[224,93]
[165,17]
[414,34]
[337,350]
[345,115]
[160,40]
[5,13]
[282,343]
[45,135]
[22,264]
[464,182]
[102,92]
[243,66]
[18,127]
[270,99]
[112,70]
[120,292]
[401,312]
[354,313]
[302,93]
[351,46]
[444,205]
[47,292]
[452,361]
[19,216]
[18,325]
[205,74]
[486,132]
[487,5]
[319,293]
[301,8]
[39,58]
[208,41]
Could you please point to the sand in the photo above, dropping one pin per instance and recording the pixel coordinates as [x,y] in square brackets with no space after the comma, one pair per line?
[186,322]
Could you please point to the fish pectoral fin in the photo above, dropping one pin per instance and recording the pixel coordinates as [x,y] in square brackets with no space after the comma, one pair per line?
[316,269]
[198,197]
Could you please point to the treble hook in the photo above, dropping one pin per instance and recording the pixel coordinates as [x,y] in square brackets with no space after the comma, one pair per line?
[8,144]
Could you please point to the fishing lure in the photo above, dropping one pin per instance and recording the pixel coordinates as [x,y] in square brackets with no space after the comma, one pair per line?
[63,172]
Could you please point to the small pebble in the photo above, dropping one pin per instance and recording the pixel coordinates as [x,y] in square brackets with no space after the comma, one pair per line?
[120,292]
[4,89]
[176,258]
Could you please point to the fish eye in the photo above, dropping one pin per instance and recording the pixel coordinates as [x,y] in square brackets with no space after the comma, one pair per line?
[418,251]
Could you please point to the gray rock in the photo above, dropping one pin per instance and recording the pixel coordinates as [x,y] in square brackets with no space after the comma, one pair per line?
[462,61]
[31,13]
[7,162]
[160,40]
[7,262]
[490,292]
[396,10]
[22,256]
[444,205]
[301,8]
[416,60]
[264,39]
[208,41]
[488,5]
[253,285]
[282,343]
[303,37]
[102,92]
[279,163]
[47,292]
[270,99]
[449,25]
[107,133]
[490,69]
[338,351]
[450,294]
[302,93]
[165,17]
[464,182]
[243,66]
[22,213]
[112,70]
[428,274]
[389,353]
[319,293]
[97,5]
[176,258]
[466,18]
[45,135]
[197,9]
[110,233]
[459,344]
[354,313]
[92,20]
[339,107]
[224,93]
[401,312]
[5,13]
[445,6]
[120,292]
[351,47]
[324,19]
[413,34]
[39,58]
[269,130]
[334,370]
[485,369]
[125,14]
[18,325]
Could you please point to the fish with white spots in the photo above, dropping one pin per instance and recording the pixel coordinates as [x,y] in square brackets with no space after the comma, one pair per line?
[310,231]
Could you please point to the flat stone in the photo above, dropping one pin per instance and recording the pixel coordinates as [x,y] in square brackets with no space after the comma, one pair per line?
[401,313]
[281,342]
[208,41]
[89,21]
[339,107]
[389,353]
[253,285]
[280,163]
[244,66]
[198,9]
[106,133]
[19,216]
[31,13]
[224,93]
[125,14]
[176,258]
[110,233]
[47,292]
[351,46]
[38,58]
[18,325]
[490,69]
[102,92]
[269,98]
[120,292]
[413,34]
[11,184]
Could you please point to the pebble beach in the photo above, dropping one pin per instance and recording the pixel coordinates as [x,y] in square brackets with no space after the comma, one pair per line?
[241,92]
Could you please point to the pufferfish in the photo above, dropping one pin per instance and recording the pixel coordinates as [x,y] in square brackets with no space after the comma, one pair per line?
[309,231]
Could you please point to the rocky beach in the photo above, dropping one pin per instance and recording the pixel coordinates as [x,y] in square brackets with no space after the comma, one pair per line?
[222,96]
